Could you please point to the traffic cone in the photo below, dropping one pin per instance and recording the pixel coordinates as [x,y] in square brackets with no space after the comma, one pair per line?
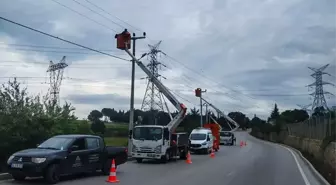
[241,144]
[212,154]
[113,176]
[188,161]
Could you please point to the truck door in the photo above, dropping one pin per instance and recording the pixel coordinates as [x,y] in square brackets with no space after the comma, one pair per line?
[94,153]
[77,159]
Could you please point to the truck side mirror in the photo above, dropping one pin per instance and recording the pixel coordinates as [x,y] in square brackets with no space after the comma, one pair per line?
[208,139]
[130,134]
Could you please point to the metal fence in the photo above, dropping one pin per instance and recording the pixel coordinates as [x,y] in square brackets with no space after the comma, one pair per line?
[314,128]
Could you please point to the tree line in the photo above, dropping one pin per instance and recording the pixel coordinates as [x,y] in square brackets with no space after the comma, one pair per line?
[26,120]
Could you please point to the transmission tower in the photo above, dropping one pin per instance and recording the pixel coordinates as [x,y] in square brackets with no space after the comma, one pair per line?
[153,98]
[56,76]
[318,94]
[305,108]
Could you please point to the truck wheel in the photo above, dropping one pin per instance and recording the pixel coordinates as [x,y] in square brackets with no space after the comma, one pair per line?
[18,177]
[52,174]
[166,157]
[139,160]
[183,155]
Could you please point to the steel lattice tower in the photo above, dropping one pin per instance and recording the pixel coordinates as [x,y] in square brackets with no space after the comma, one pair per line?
[56,76]
[318,94]
[153,99]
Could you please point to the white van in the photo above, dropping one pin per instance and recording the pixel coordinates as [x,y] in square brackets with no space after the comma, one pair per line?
[201,140]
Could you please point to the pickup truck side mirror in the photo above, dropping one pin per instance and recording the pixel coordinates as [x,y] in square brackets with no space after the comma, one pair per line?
[73,148]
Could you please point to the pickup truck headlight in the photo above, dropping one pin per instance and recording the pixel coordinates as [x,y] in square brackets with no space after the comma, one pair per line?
[10,158]
[38,160]
[204,143]
[158,149]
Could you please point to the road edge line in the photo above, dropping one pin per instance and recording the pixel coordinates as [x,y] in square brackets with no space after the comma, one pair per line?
[312,168]
[319,176]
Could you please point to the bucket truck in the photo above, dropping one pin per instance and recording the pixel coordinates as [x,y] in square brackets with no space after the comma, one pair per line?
[157,141]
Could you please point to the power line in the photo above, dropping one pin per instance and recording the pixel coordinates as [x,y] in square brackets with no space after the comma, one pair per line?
[84,16]
[98,14]
[111,14]
[52,51]
[47,34]
[51,47]
[280,94]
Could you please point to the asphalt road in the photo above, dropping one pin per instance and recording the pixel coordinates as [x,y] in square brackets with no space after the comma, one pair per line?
[258,163]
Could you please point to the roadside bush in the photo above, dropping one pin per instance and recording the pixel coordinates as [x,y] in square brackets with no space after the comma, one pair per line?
[28,120]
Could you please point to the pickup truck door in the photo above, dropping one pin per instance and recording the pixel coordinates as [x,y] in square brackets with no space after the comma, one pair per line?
[76,161]
[94,153]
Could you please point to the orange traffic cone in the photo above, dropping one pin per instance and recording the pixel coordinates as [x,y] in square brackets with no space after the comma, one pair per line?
[113,176]
[212,154]
[188,161]
[241,144]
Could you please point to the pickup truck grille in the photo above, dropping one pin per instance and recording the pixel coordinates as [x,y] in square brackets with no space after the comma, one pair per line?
[24,159]
[195,145]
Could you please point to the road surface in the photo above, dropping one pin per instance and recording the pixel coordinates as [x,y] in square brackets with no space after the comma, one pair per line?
[258,163]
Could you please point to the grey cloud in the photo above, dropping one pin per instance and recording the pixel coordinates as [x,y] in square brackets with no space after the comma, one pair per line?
[233,43]
[92,99]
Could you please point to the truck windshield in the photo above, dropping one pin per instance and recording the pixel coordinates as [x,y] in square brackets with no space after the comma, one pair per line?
[225,134]
[147,133]
[56,143]
[197,136]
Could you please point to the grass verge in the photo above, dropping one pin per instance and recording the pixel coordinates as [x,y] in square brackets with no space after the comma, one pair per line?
[116,141]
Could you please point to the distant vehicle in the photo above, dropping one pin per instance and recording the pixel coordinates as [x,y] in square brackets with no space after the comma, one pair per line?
[201,140]
[65,155]
[227,137]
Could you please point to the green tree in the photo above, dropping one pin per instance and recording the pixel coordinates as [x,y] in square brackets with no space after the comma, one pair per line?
[275,113]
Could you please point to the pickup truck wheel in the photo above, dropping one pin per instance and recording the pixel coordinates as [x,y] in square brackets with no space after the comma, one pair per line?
[139,160]
[18,177]
[106,167]
[52,175]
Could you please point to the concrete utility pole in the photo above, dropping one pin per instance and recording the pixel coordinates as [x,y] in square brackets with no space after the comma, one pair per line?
[198,93]
[131,118]
[206,112]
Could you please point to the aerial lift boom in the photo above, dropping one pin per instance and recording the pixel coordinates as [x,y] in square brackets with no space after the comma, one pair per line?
[175,121]
[224,115]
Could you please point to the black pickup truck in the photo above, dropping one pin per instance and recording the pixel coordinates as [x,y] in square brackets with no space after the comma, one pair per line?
[65,155]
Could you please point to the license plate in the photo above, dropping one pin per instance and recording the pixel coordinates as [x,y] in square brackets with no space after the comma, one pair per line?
[15,165]
[150,155]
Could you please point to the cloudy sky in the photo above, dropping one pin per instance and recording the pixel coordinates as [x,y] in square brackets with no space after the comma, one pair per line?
[247,54]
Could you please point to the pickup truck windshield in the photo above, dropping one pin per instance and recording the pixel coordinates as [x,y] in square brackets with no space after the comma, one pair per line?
[225,134]
[197,136]
[56,143]
[147,133]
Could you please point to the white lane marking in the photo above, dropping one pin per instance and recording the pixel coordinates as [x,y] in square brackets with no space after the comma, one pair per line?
[298,165]
[305,179]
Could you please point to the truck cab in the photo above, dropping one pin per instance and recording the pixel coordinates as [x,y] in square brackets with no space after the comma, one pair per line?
[156,142]
[201,140]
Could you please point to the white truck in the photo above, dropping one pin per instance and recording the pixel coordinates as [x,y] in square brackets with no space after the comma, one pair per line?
[155,141]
